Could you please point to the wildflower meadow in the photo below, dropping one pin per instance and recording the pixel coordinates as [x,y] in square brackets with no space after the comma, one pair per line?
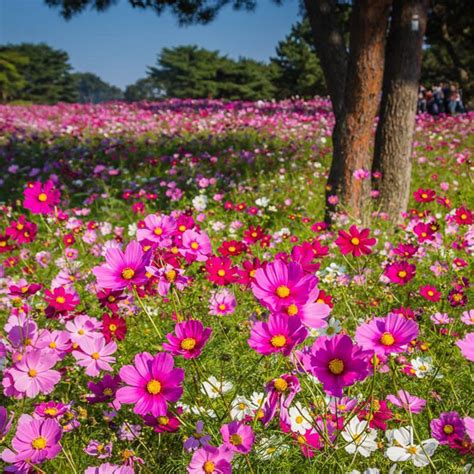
[172,300]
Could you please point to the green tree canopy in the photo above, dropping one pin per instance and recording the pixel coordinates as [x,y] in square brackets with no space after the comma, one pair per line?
[297,67]
[47,74]
[92,89]
[145,88]
[11,79]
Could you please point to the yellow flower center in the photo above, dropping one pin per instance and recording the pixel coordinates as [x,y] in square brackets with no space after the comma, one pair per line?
[221,273]
[95,355]
[412,450]
[336,366]
[113,327]
[283,291]
[236,439]
[188,344]
[463,217]
[80,332]
[292,310]
[39,443]
[355,241]
[182,228]
[424,195]
[208,467]
[158,231]
[448,429]
[252,273]
[430,292]
[171,275]
[280,384]
[32,373]
[278,341]
[153,387]
[402,274]
[195,246]
[387,339]
[301,439]
[108,392]
[42,197]
[52,345]
[163,420]
[299,419]
[128,273]
[60,299]
[20,226]
[232,249]
[51,411]
[174,250]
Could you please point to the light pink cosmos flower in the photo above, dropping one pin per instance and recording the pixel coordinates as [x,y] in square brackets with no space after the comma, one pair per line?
[95,355]
[222,302]
[467,346]
[404,399]
[57,343]
[108,468]
[151,383]
[123,269]
[468,317]
[283,284]
[441,318]
[211,460]
[237,437]
[196,245]
[35,441]
[158,230]
[83,327]
[387,335]
[469,426]
[33,374]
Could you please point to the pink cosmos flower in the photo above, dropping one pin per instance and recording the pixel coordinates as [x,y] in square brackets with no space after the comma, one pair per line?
[441,318]
[95,355]
[33,374]
[356,241]
[108,468]
[448,426]
[158,229]
[62,300]
[387,335]
[151,383]
[5,422]
[467,346]
[312,314]
[188,339]
[196,245]
[41,198]
[280,393]
[211,460]
[400,272]
[35,441]
[279,334]
[430,293]
[281,284]
[409,402]
[121,269]
[83,327]
[468,317]
[469,426]
[337,363]
[56,343]
[222,302]
[238,437]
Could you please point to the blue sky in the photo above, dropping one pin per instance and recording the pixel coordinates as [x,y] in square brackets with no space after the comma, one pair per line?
[119,44]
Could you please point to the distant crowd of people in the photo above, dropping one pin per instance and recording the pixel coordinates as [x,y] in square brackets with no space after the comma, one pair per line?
[444,98]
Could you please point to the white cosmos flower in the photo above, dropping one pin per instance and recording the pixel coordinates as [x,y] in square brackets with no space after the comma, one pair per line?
[241,407]
[213,388]
[270,448]
[299,418]
[200,202]
[360,437]
[422,366]
[262,202]
[406,449]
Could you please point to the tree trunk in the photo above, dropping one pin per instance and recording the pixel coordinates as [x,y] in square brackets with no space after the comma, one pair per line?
[330,48]
[353,132]
[394,137]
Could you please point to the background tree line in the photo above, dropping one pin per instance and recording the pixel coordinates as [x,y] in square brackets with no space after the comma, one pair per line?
[37,73]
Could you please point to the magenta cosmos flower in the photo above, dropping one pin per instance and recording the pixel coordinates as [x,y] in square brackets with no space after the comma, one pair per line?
[387,335]
[41,198]
[158,229]
[337,363]
[35,440]
[449,425]
[121,269]
[151,383]
[33,374]
[400,272]
[280,393]
[188,339]
[282,284]
[356,241]
[467,346]
[238,437]
[95,355]
[279,334]
[196,245]
[211,460]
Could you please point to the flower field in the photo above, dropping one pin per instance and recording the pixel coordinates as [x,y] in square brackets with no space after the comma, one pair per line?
[172,301]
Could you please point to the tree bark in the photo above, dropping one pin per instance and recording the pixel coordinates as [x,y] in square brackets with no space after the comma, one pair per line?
[330,48]
[394,137]
[353,132]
